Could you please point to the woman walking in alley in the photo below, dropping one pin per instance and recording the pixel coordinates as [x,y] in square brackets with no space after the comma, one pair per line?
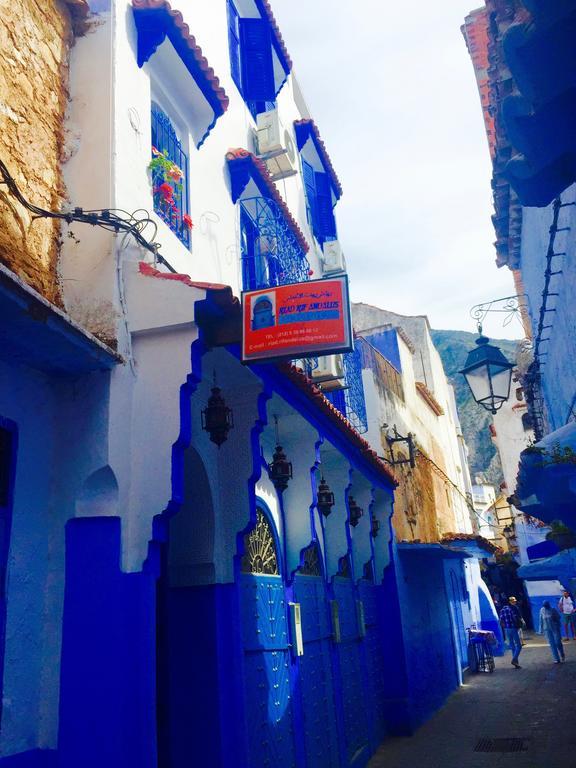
[511,621]
[550,627]
[566,608]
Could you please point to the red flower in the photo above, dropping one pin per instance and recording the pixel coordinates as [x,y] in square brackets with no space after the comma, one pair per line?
[155,152]
[310,272]
[187,221]
[166,191]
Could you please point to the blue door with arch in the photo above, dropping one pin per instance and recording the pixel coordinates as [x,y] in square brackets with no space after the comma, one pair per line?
[265,650]
[351,669]
[315,665]
[457,590]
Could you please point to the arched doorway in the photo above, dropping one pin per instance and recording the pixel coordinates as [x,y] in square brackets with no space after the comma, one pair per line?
[265,648]
[187,629]
[315,666]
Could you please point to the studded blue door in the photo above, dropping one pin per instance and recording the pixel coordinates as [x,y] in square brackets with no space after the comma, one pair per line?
[316,674]
[354,699]
[373,644]
[266,653]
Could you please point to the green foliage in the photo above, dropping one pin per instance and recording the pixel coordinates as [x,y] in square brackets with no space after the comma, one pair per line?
[453,347]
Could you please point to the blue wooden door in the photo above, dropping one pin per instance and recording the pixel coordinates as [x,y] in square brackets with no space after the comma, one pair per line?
[315,668]
[370,594]
[266,652]
[352,690]
[457,599]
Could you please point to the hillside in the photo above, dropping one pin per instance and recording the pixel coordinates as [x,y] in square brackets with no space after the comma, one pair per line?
[453,347]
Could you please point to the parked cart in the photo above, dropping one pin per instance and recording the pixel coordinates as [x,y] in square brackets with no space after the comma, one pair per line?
[480,644]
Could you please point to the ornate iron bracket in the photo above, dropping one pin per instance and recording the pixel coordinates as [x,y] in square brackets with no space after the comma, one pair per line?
[398,438]
[511,306]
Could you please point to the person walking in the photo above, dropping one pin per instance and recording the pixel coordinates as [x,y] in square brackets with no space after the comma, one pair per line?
[566,608]
[520,623]
[550,627]
[510,621]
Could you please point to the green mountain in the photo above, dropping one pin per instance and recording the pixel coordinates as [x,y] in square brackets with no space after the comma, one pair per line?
[453,347]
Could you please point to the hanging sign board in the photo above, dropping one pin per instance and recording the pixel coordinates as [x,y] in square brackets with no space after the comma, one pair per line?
[297,320]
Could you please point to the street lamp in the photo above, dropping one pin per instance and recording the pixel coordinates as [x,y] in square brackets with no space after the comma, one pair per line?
[488,374]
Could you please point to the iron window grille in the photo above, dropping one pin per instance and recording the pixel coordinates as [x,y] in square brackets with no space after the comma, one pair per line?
[350,401]
[165,139]
[270,252]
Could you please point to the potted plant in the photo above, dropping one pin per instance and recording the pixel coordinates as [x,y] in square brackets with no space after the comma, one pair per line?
[166,182]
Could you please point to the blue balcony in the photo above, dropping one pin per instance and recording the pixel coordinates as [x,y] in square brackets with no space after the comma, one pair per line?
[270,251]
[350,401]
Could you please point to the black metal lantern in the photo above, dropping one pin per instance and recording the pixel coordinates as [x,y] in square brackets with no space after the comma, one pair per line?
[326,499]
[356,512]
[374,527]
[280,469]
[488,374]
[217,417]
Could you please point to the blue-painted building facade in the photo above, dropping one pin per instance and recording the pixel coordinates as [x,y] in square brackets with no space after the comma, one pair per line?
[165,601]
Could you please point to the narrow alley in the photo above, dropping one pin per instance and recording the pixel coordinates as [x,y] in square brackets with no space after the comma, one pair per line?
[533,705]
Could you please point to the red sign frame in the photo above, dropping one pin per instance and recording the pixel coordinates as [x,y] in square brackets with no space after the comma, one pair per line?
[297,320]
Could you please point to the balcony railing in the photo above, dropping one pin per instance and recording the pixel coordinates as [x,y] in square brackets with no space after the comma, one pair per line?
[350,401]
[271,253]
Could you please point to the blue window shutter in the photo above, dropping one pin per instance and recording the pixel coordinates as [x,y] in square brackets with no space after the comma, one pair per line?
[326,223]
[310,189]
[234,42]
[257,67]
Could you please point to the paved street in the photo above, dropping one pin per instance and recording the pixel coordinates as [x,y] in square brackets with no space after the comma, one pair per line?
[536,703]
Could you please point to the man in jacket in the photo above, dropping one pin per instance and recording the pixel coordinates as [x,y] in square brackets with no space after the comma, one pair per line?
[510,621]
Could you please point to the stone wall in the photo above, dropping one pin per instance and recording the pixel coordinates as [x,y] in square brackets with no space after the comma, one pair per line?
[35,36]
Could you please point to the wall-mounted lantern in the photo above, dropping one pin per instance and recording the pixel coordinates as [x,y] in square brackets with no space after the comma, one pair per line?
[488,374]
[280,469]
[356,511]
[325,500]
[217,417]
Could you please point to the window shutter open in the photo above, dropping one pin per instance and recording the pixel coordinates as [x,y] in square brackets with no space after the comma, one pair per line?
[234,43]
[324,212]
[257,67]
[310,189]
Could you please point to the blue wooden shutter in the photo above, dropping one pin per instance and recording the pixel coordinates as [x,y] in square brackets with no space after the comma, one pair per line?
[310,189]
[234,42]
[257,67]
[326,223]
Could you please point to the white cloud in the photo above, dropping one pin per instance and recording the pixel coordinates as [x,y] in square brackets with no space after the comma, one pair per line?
[392,89]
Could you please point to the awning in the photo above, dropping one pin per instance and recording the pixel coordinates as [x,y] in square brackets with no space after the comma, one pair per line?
[561,567]
[307,129]
[546,486]
[431,550]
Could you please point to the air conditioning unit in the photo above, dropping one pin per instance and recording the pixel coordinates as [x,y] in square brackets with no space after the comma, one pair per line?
[275,145]
[332,258]
[329,374]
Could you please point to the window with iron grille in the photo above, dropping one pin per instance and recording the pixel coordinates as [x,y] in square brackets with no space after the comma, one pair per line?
[170,186]
[351,401]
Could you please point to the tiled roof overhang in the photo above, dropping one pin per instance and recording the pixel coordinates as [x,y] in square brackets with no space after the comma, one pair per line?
[243,167]
[535,99]
[278,41]
[155,21]
[306,129]
[224,308]
[429,398]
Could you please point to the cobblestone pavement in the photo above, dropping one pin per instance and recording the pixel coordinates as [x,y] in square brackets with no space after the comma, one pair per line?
[536,703]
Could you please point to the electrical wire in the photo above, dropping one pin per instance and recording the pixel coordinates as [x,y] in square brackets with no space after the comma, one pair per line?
[113,220]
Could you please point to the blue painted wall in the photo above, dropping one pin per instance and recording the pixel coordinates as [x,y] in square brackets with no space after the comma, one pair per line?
[429,643]
[107,700]
[386,342]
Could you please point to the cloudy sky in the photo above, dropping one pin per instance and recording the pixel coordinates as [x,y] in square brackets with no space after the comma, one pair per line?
[392,89]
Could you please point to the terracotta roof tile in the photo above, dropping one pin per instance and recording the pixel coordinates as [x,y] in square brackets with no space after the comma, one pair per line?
[150,271]
[304,383]
[429,398]
[240,155]
[323,152]
[276,30]
[190,42]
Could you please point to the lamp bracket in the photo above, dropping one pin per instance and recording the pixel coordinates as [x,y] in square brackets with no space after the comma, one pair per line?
[410,443]
[511,306]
